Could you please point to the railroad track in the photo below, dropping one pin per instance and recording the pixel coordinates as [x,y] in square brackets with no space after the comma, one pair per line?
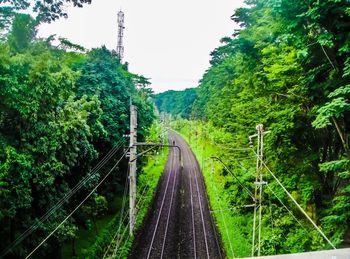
[195,194]
[179,224]
[205,243]
[165,211]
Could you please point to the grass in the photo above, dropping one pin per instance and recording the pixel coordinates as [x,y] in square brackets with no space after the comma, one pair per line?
[233,227]
[147,183]
[91,245]
[149,179]
[87,237]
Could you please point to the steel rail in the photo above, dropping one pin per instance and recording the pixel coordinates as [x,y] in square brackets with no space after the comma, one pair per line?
[193,226]
[171,205]
[201,209]
[193,177]
[212,222]
[161,206]
[193,169]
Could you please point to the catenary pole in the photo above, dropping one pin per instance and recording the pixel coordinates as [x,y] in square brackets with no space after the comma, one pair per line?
[257,218]
[132,166]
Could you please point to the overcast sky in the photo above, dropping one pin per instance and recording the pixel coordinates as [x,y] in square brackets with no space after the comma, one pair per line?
[167,41]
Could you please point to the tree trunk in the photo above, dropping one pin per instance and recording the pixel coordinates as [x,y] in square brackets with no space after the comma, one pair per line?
[95,225]
[74,252]
[342,136]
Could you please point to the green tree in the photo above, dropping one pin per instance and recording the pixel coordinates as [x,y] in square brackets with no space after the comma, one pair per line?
[22,33]
[288,68]
[60,112]
[47,10]
[176,102]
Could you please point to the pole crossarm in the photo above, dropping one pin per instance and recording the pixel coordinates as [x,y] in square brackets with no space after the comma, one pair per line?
[143,152]
[159,145]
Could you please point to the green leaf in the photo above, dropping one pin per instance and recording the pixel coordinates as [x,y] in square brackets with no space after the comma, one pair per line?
[336,108]
[334,166]
[341,91]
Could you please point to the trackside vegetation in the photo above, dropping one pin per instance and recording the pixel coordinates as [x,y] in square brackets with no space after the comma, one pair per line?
[176,102]
[233,226]
[230,189]
[63,109]
[115,239]
[287,67]
[118,239]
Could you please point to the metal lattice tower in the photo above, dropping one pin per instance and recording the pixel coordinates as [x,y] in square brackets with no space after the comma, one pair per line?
[120,47]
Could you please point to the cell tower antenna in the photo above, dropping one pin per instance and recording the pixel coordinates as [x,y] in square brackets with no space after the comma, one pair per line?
[120,47]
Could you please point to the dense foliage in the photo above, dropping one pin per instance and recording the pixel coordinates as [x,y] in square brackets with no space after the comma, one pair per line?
[46,10]
[176,102]
[288,67]
[61,112]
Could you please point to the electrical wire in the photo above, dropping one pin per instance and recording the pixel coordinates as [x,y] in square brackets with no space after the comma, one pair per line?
[144,152]
[289,211]
[115,238]
[64,199]
[239,182]
[222,215]
[272,220]
[121,214]
[80,204]
[295,202]
[233,149]
[125,242]
[122,219]
[119,241]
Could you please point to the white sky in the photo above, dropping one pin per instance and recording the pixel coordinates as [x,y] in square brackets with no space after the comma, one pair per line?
[167,41]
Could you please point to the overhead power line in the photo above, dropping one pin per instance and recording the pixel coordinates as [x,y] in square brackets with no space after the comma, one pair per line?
[121,214]
[288,210]
[239,182]
[297,204]
[64,199]
[221,210]
[118,241]
[80,204]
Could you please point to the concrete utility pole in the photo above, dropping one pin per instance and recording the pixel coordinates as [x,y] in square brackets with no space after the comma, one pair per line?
[133,166]
[256,236]
[121,27]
